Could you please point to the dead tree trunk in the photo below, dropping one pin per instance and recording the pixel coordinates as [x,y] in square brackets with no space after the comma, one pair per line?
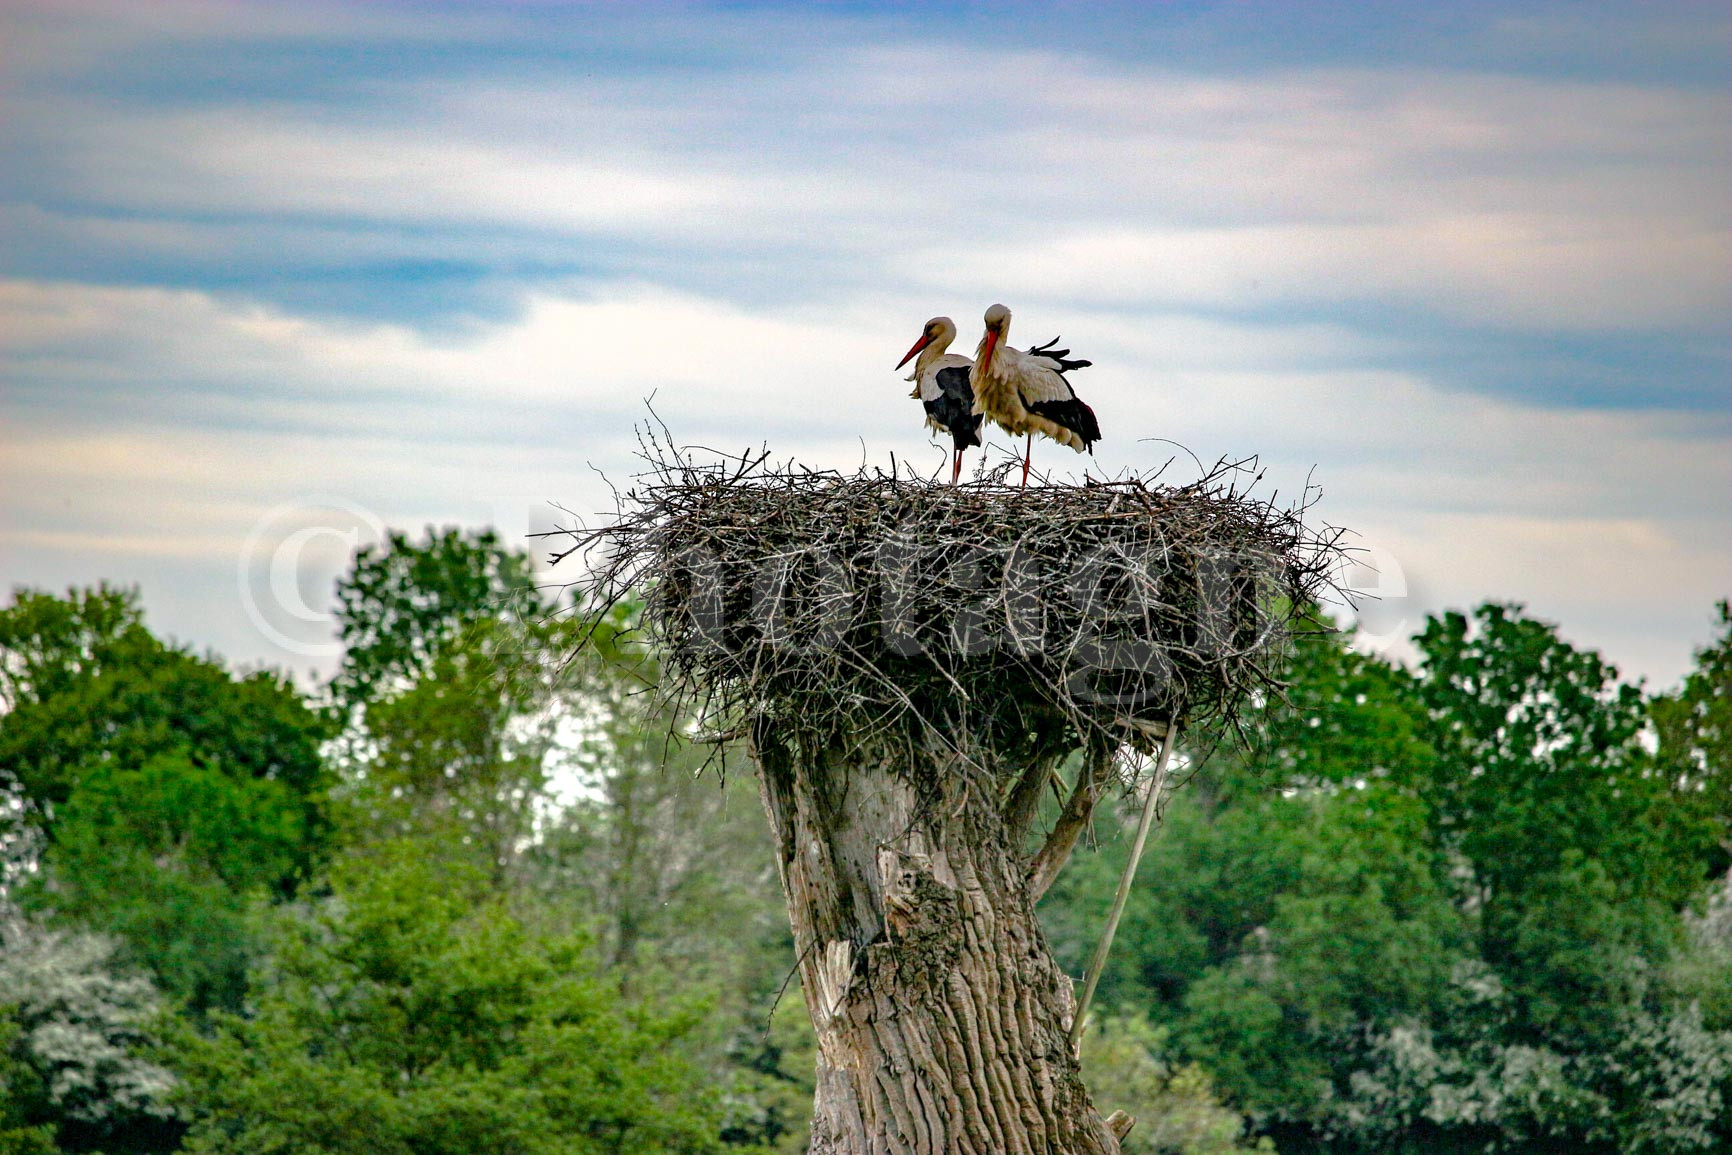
[942,1019]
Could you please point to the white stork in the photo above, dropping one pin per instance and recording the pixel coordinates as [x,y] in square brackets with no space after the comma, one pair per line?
[1027,393]
[941,384]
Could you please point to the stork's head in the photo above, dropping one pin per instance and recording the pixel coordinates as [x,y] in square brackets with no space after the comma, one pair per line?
[939,331]
[997,326]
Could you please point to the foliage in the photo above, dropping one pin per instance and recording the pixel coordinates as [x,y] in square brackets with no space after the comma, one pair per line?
[779,1076]
[442,755]
[78,1039]
[493,694]
[167,791]
[662,847]
[1443,910]
[1661,1088]
[86,685]
[1269,923]
[484,705]
[411,1012]
[1479,905]
[1694,731]
[1580,849]
[167,856]
[17,1136]
[449,684]
[1127,1066]
[1701,972]
[404,604]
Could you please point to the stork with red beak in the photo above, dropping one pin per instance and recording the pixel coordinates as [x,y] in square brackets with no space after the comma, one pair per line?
[1027,393]
[941,384]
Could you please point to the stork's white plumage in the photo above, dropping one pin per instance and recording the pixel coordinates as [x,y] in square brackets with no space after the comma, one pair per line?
[1026,393]
[941,384]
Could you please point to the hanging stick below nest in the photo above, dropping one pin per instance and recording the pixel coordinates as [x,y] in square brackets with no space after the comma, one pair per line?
[1157,787]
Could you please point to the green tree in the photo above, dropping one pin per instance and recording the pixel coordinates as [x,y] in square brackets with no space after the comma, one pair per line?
[406,603]
[165,790]
[1579,850]
[412,1013]
[1701,973]
[1292,896]
[779,1078]
[1128,1065]
[449,687]
[1694,727]
[171,856]
[1429,910]
[659,851]
[662,841]
[75,1062]
[84,684]
[491,723]
[17,1135]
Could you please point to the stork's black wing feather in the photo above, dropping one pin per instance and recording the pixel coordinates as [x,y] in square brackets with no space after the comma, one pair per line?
[953,408]
[1060,357]
[1074,415]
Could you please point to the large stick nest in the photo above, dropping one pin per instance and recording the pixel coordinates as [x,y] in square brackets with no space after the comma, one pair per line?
[840,603]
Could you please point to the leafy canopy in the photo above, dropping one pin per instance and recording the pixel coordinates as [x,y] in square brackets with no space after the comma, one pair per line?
[412,1013]
[166,791]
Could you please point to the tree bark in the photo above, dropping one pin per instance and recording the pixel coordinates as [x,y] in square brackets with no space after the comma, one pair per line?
[942,1019]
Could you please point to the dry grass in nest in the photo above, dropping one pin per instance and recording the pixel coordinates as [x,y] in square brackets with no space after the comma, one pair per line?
[834,603]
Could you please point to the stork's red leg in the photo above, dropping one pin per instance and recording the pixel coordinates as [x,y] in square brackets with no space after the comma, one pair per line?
[956,466]
[1027,453]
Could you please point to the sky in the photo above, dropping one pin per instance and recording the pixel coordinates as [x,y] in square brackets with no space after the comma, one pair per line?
[277,276]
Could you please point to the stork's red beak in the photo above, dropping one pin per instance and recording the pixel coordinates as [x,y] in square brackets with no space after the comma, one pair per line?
[991,344]
[925,340]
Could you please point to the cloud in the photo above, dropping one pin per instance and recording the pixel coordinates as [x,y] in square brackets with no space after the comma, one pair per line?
[202,359]
[232,163]
[1500,273]
[1510,203]
[1302,393]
